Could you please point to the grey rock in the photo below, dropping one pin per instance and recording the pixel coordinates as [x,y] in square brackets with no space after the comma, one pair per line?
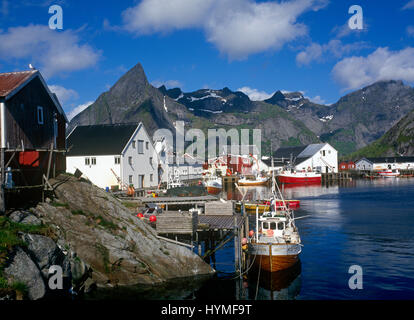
[23,269]
[44,251]
[31,220]
[25,217]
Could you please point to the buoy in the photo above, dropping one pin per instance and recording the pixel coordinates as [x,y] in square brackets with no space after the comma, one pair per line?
[251,233]
[153,218]
[140,215]
[244,241]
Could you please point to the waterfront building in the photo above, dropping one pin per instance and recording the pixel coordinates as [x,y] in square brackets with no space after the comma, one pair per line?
[114,155]
[385,163]
[320,157]
[32,130]
[347,165]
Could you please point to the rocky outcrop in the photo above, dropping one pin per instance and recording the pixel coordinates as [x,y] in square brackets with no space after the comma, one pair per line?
[22,269]
[120,249]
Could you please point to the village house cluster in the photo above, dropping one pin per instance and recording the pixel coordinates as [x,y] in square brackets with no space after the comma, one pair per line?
[35,148]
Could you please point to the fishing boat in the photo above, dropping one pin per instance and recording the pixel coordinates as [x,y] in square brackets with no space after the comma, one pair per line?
[214,185]
[257,181]
[265,205]
[276,244]
[389,173]
[299,177]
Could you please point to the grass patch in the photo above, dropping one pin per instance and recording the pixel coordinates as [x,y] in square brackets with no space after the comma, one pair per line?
[106,223]
[78,213]
[129,205]
[59,204]
[10,229]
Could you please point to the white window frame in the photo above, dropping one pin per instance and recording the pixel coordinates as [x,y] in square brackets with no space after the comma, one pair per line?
[117,160]
[93,161]
[40,116]
[87,161]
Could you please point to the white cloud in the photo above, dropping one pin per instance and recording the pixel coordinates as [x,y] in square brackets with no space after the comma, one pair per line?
[237,28]
[52,52]
[317,99]
[383,64]
[71,114]
[64,95]
[316,52]
[168,84]
[255,94]
[409,5]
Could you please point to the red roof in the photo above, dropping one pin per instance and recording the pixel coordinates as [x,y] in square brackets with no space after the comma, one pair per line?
[13,80]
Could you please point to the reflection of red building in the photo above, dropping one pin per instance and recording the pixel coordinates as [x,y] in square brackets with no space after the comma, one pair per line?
[347,165]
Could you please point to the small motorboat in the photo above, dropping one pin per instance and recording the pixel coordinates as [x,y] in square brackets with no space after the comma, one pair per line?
[257,181]
[214,185]
[389,173]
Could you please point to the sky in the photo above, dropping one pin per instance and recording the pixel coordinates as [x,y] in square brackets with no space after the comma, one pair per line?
[257,47]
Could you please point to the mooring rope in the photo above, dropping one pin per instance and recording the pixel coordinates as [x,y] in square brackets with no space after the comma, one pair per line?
[258,277]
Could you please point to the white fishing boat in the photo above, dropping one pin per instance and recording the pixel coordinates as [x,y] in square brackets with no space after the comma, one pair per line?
[276,244]
[214,185]
[389,173]
[257,181]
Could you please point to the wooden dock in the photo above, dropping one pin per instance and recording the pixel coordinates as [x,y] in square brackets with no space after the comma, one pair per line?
[336,176]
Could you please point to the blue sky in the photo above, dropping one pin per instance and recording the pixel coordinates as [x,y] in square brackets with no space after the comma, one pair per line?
[260,46]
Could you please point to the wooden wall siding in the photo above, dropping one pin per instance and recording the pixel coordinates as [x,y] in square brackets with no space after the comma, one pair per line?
[22,122]
[177,223]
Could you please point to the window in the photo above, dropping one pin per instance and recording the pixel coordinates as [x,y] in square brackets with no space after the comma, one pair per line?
[265,225]
[150,160]
[273,225]
[117,160]
[151,177]
[130,180]
[93,161]
[87,161]
[133,144]
[140,146]
[147,145]
[40,115]
[323,153]
[130,160]
[280,226]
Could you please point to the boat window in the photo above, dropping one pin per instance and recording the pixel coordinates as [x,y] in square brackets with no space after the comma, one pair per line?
[265,225]
[280,226]
[273,225]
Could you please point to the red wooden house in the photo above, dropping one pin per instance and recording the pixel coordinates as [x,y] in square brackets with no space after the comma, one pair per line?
[32,130]
[347,165]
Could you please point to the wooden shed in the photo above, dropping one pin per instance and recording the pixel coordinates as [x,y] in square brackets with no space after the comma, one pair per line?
[32,131]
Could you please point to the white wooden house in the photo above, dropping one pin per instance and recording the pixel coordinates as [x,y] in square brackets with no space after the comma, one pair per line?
[319,157]
[383,163]
[113,155]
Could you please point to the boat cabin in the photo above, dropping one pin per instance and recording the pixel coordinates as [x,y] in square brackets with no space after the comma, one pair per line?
[272,227]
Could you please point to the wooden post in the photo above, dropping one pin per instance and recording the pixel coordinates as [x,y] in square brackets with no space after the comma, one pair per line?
[236,247]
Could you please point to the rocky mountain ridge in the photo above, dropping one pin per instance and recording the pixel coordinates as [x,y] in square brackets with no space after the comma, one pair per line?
[287,118]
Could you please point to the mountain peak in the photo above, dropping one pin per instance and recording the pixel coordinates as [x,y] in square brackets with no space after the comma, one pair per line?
[135,79]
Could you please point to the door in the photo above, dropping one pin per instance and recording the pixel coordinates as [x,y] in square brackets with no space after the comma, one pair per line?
[141,181]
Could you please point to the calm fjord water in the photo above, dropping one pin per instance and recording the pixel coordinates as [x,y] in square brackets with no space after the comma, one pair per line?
[366,223]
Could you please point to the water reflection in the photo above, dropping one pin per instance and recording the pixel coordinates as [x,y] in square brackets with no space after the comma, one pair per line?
[280,285]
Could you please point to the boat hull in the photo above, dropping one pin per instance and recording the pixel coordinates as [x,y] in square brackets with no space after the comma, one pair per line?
[251,207]
[299,179]
[252,183]
[213,190]
[275,257]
